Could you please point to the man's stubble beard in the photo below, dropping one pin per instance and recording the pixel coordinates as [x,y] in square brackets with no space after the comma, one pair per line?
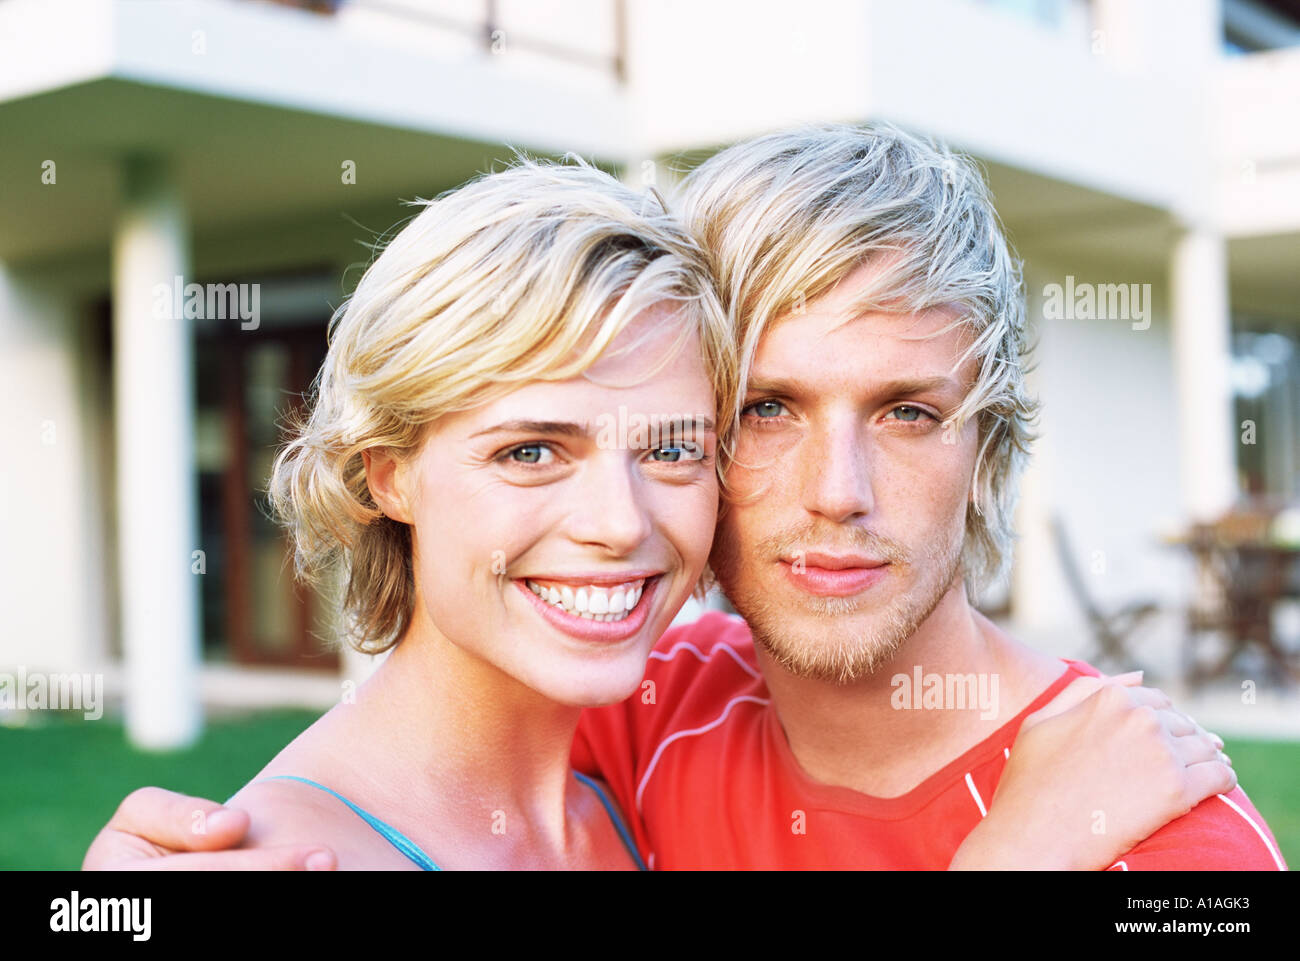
[808,642]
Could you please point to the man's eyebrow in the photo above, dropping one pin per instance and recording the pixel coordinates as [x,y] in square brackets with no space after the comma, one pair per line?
[905,387]
[564,428]
[902,387]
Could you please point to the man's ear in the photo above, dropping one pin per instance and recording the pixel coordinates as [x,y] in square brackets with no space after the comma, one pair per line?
[387,480]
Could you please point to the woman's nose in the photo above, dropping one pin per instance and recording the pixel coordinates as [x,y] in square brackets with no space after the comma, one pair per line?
[610,510]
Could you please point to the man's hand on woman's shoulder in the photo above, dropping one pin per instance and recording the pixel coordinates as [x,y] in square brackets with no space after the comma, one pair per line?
[155,829]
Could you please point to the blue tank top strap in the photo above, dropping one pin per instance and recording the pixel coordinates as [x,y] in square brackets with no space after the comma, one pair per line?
[413,851]
[613,816]
[390,834]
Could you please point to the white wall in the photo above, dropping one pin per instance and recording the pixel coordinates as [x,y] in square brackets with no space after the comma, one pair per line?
[1107,461]
[1103,110]
[54,566]
[1257,147]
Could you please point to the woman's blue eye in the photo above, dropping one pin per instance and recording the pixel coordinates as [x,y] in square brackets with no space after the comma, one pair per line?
[767,408]
[528,454]
[672,455]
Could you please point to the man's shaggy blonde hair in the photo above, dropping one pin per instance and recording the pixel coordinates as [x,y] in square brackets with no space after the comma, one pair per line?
[524,275]
[789,215]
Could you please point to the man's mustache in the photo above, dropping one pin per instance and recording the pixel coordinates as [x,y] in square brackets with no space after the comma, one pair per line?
[854,540]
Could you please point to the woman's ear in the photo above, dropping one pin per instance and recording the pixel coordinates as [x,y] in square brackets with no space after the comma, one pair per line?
[386,478]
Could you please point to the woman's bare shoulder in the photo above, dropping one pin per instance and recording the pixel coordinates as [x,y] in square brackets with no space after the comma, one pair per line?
[287,811]
[290,812]
[292,800]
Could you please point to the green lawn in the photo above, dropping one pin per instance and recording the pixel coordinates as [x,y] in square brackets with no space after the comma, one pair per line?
[63,779]
[1269,773]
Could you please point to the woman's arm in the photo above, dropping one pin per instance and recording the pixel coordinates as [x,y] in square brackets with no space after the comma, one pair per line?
[1092,774]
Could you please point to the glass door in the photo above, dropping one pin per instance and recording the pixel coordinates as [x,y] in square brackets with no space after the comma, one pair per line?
[255,612]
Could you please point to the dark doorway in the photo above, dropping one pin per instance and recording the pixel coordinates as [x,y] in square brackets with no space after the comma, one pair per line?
[248,383]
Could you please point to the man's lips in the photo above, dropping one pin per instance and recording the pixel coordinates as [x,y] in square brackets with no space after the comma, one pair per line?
[833,575]
[834,562]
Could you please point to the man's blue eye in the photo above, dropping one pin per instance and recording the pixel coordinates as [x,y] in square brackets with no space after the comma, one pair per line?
[908,414]
[767,408]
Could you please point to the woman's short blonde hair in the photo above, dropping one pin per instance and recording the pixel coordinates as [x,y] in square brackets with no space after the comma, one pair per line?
[789,215]
[527,274]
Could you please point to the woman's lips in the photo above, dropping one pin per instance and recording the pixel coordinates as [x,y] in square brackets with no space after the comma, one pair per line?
[640,590]
[843,580]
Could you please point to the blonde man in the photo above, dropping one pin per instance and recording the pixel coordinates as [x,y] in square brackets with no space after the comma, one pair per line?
[878,314]
[885,420]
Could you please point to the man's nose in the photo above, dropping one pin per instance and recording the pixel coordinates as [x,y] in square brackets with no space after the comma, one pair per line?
[837,471]
[610,510]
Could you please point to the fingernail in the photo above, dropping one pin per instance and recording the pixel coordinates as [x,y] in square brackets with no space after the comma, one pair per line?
[319,861]
[219,820]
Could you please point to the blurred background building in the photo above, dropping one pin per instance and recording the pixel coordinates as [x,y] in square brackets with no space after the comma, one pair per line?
[1143,147]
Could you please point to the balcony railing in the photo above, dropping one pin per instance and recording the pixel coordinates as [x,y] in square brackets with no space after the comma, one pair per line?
[493,29]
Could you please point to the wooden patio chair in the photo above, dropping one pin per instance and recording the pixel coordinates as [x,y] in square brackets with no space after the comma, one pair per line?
[1111,629]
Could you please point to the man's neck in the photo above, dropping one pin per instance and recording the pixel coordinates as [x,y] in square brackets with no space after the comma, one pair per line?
[883,736]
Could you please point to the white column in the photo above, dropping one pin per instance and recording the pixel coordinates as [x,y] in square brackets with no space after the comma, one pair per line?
[156,487]
[1202,354]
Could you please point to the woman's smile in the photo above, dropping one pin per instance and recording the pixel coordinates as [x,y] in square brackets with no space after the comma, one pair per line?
[601,607]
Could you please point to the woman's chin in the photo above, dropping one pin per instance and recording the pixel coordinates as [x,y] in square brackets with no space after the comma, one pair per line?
[595,686]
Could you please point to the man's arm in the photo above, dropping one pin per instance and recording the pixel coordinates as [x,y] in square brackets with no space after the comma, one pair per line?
[1222,833]
[154,829]
[1082,753]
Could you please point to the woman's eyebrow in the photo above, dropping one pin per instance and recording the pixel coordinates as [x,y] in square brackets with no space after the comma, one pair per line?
[565,428]
[681,424]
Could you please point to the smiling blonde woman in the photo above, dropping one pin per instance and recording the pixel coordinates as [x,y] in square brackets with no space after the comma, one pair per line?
[517,563]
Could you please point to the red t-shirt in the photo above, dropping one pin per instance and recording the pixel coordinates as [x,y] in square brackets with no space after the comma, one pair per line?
[700,764]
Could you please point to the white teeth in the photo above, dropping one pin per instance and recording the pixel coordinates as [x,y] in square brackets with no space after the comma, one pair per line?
[592,602]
